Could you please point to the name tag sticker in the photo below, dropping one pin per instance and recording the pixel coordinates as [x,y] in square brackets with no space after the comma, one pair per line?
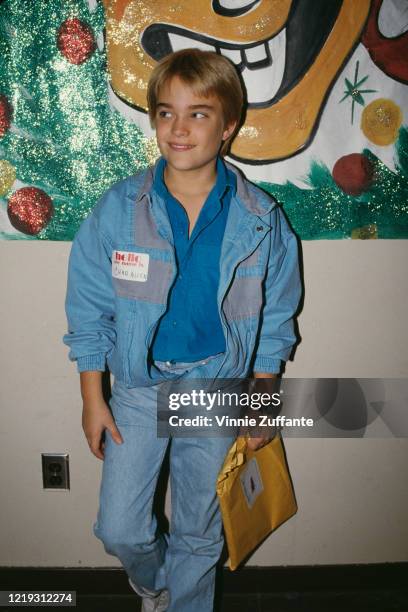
[130,266]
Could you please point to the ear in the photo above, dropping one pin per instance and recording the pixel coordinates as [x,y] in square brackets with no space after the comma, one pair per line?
[229,130]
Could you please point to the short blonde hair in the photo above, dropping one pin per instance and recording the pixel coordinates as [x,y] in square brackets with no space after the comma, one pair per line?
[208,74]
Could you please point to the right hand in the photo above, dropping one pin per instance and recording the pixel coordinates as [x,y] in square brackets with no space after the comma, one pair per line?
[96,417]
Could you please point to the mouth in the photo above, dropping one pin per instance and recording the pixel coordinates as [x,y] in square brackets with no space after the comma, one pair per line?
[270,67]
[180,147]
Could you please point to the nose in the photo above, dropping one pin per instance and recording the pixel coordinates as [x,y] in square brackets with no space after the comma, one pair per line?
[179,126]
[233,8]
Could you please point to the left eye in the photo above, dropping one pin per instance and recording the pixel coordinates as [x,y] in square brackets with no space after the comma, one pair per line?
[199,115]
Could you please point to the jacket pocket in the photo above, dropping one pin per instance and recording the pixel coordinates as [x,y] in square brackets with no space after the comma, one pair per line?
[244,298]
[153,286]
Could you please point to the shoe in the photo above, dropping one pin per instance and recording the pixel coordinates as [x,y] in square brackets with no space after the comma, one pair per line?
[151,600]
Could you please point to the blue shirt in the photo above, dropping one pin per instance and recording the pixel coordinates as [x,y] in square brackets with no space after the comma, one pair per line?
[191,328]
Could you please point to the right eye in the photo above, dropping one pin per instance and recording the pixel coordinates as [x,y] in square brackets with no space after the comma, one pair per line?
[164,113]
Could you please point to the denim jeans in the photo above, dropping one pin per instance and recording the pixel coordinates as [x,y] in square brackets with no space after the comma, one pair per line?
[183,561]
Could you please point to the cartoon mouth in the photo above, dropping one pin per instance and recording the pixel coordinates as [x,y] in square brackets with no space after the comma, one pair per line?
[269,68]
[261,64]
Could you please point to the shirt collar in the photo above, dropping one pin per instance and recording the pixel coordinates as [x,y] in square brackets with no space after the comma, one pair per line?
[158,182]
[225,179]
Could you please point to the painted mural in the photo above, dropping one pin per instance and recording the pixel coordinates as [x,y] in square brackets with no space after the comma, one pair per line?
[324,130]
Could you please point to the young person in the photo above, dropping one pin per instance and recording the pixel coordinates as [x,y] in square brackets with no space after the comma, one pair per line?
[183,270]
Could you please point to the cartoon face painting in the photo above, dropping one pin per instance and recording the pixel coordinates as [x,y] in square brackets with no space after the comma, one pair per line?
[288,52]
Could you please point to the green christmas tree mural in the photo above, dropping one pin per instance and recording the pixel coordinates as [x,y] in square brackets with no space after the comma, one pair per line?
[63,138]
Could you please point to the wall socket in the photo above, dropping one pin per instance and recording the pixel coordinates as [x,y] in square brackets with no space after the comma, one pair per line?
[55,470]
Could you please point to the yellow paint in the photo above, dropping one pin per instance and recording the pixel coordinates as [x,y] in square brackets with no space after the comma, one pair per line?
[286,126]
[367,232]
[7,176]
[381,120]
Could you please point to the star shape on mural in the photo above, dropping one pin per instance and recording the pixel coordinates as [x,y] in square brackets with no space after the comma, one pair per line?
[354,92]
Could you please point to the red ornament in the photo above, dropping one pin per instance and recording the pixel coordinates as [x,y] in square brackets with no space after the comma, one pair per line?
[30,210]
[75,40]
[353,173]
[6,112]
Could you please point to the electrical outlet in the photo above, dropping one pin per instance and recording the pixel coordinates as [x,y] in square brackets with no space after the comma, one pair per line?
[55,470]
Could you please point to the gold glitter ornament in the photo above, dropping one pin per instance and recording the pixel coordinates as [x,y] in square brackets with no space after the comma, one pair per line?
[152,150]
[367,232]
[381,120]
[7,176]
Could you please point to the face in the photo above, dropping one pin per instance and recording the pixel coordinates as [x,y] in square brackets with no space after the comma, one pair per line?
[189,128]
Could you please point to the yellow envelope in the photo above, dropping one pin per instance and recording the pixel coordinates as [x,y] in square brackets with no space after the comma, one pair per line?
[255,494]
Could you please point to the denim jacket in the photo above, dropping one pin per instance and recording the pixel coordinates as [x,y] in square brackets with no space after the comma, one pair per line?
[112,318]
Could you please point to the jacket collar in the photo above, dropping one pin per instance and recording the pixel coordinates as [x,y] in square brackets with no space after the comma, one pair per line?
[254,199]
[251,197]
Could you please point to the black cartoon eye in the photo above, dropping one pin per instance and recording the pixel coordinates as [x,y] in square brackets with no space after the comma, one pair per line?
[233,8]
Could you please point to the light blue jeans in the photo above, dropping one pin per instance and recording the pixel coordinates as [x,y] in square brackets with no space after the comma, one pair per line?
[184,561]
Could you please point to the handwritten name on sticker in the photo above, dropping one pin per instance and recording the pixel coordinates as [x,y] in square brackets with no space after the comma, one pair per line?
[130,266]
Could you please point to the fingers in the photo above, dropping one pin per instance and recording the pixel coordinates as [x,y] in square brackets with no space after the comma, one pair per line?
[257,443]
[114,431]
[96,447]
[94,439]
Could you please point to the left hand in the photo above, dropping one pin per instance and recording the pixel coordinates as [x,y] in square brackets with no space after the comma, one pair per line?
[257,443]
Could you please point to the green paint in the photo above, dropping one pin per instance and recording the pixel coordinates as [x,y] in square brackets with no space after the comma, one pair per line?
[354,92]
[325,212]
[67,140]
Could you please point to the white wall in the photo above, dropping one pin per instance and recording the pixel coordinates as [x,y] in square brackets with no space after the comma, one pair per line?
[352,493]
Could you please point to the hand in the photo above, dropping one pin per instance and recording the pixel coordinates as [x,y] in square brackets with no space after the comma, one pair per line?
[257,443]
[96,417]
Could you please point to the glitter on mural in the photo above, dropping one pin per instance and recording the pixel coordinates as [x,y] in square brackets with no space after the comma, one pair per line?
[333,149]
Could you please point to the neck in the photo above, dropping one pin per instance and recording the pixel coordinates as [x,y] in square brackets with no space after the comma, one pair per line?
[190,182]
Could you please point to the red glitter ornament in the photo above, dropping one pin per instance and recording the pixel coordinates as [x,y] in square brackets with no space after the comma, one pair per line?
[353,173]
[30,210]
[75,40]
[6,112]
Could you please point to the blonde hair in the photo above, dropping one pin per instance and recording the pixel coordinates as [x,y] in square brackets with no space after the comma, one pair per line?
[208,74]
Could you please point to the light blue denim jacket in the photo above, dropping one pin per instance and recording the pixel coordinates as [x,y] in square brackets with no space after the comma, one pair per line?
[112,320]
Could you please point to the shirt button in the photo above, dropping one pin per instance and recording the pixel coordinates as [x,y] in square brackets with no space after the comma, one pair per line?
[259,228]
[174,323]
